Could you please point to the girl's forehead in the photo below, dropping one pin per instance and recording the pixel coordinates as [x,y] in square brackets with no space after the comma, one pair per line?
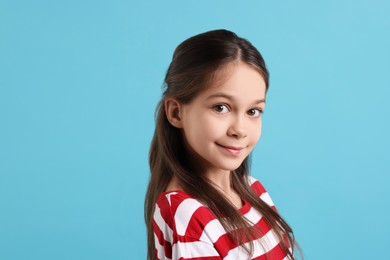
[238,79]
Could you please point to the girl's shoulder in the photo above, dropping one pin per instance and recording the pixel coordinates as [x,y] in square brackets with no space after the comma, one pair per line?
[181,214]
[260,191]
[179,203]
[174,199]
[256,185]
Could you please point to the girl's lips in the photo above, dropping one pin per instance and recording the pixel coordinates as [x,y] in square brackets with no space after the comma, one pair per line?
[234,150]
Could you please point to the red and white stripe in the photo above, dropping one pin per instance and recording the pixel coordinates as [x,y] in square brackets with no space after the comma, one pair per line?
[187,230]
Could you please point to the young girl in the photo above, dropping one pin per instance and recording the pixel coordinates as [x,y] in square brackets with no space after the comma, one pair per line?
[201,202]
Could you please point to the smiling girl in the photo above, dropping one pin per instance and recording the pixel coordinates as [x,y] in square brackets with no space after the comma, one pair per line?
[201,202]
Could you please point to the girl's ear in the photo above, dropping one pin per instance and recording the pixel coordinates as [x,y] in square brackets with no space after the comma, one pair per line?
[173,112]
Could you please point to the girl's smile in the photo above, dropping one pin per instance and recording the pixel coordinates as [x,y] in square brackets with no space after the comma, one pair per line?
[233,150]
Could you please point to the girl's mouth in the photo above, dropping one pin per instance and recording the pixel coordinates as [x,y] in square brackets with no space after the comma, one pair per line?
[234,150]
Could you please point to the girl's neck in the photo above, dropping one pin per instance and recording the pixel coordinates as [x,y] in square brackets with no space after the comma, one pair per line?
[221,181]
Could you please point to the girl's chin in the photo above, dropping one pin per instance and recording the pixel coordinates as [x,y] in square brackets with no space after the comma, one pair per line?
[232,167]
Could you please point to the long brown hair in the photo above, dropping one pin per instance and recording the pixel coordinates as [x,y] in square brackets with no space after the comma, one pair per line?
[194,66]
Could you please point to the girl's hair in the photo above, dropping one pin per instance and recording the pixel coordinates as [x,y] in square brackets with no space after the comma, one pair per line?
[194,67]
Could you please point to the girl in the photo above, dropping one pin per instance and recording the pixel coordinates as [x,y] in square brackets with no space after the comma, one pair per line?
[201,202]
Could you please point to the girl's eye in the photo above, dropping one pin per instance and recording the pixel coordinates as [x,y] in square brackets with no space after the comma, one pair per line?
[222,109]
[255,112]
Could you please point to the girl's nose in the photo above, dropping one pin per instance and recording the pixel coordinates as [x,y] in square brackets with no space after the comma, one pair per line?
[237,129]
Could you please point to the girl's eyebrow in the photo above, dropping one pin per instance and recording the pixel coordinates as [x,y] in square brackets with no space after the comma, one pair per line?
[230,97]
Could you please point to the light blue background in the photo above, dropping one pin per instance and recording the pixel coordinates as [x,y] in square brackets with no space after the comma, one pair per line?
[78,88]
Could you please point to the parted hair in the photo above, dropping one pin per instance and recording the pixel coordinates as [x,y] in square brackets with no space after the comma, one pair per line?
[194,66]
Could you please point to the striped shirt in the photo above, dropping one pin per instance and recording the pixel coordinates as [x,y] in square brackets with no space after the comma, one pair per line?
[187,230]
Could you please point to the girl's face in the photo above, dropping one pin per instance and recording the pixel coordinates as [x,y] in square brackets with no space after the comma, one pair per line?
[223,123]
